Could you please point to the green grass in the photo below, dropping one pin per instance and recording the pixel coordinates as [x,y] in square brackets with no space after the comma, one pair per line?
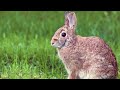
[25,50]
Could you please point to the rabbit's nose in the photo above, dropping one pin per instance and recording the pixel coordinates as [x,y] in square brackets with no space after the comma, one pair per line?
[55,39]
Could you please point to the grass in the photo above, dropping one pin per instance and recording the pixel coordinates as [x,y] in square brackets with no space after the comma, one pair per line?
[25,50]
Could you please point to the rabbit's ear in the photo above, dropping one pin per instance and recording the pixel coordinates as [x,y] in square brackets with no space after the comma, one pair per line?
[70,19]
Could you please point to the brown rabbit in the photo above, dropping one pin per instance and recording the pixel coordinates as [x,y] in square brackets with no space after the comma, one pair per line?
[83,57]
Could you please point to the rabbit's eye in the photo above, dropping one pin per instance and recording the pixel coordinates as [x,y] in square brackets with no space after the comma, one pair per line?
[63,34]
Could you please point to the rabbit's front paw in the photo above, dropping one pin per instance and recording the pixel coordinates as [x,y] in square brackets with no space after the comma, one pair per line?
[73,75]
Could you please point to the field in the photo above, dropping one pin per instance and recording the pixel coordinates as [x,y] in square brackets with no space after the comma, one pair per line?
[25,50]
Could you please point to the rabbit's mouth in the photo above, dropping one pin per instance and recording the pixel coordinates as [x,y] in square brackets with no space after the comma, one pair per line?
[59,44]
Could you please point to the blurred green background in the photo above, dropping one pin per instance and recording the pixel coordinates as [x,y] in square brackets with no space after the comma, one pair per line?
[25,50]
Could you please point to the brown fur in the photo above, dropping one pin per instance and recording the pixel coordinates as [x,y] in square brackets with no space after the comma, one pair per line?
[85,57]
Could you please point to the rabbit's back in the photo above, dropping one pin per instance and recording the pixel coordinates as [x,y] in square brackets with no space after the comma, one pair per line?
[99,60]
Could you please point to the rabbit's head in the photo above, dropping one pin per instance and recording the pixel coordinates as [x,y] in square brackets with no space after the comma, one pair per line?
[66,33]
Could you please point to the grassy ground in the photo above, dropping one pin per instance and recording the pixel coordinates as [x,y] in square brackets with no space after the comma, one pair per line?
[25,50]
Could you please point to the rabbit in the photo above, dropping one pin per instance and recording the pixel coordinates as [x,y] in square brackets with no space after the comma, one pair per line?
[83,57]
